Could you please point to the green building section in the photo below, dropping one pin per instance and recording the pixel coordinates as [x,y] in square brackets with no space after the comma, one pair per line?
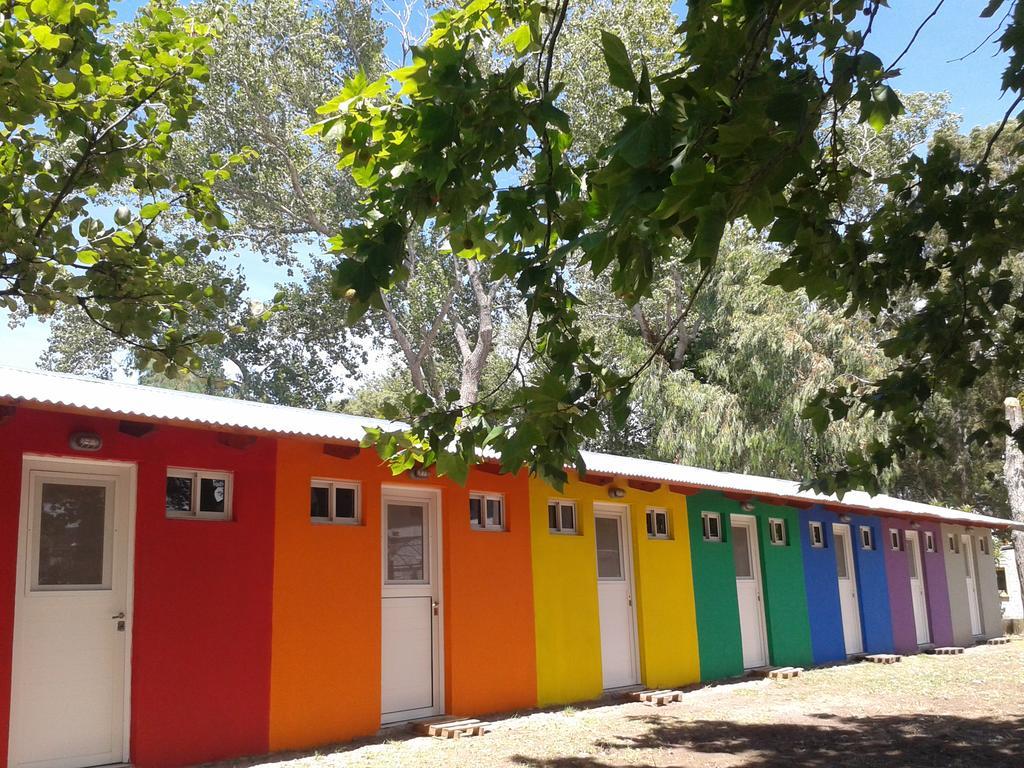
[714,588]
[714,583]
[785,593]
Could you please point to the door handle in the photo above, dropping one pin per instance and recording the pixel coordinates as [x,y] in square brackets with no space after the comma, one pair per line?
[435,606]
[118,615]
[629,600]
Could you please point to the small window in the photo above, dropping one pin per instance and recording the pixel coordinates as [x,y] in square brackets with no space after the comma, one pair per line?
[334,501]
[954,543]
[1001,580]
[983,544]
[817,534]
[657,523]
[895,543]
[929,542]
[562,516]
[198,494]
[867,537]
[777,531]
[712,522]
[486,512]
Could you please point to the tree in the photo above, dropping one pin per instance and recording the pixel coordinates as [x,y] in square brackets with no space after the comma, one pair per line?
[744,122]
[85,113]
[1014,478]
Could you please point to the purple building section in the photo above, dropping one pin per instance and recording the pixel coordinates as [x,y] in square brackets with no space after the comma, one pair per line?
[936,591]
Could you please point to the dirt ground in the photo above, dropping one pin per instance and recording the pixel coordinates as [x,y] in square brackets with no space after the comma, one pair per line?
[949,711]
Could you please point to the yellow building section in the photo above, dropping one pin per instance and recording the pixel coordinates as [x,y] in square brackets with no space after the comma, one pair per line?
[565,593]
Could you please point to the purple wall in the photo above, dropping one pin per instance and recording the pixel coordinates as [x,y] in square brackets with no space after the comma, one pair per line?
[936,587]
[901,603]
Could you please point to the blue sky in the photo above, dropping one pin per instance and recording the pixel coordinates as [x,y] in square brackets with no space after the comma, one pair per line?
[931,65]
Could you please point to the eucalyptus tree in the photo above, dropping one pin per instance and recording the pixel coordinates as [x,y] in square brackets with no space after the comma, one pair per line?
[742,123]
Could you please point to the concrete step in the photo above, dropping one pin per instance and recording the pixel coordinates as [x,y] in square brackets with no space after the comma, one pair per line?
[657,698]
[883,658]
[947,651]
[448,728]
[999,641]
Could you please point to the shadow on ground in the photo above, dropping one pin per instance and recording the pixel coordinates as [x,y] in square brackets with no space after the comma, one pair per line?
[910,741]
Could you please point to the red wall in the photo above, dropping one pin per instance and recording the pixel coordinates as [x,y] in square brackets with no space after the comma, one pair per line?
[203,589]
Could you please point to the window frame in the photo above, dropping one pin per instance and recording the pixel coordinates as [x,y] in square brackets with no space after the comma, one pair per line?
[483,525]
[705,516]
[895,540]
[332,484]
[816,526]
[954,543]
[559,530]
[651,516]
[777,533]
[868,544]
[983,545]
[929,542]
[197,476]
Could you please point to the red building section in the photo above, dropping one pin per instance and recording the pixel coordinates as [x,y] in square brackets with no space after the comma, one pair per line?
[201,624]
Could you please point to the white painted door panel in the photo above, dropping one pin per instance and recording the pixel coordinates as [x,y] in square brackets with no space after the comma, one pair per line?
[967,549]
[619,662]
[917,590]
[69,680]
[410,607]
[747,561]
[846,574]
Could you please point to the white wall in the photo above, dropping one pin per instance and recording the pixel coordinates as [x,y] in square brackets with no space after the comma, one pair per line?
[1012,605]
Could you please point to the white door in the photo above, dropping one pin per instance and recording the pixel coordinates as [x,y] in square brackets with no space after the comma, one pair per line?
[967,548]
[410,606]
[747,559]
[917,591]
[847,577]
[71,615]
[619,663]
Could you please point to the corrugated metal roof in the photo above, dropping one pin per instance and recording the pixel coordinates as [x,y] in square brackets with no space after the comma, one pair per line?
[82,393]
[120,399]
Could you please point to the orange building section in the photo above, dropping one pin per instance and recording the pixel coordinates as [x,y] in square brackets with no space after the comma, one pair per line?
[325,648]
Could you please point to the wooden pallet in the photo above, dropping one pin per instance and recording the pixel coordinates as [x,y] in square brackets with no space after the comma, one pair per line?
[452,729]
[775,673]
[999,641]
[947,651]
[883,658]
[657,698]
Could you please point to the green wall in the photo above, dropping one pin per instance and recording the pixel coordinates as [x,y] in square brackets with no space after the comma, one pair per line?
[714,589]
[714,584]
[785,594]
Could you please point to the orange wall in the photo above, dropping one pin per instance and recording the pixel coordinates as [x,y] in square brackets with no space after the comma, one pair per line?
[325,649]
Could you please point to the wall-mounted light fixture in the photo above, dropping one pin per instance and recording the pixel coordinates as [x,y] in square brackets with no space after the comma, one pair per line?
[916,524]
[616,493]
[747,506]
[87,442]
[420,473]
[844,518]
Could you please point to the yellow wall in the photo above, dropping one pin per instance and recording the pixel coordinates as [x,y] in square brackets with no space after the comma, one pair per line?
[565,594]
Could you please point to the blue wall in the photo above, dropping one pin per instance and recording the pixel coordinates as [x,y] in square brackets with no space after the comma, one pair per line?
[822,589]
[873,586]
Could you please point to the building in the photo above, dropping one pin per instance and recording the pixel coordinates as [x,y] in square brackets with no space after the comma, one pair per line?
[192,578]
[1008,584]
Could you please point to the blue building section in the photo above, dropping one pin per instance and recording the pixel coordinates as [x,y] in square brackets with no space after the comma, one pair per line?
[822,588]
[873,586]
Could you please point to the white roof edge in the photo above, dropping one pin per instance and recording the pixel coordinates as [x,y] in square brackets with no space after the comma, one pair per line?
[189,408]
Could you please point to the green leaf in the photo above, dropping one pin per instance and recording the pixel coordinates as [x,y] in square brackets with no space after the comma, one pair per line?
[620,70]
[521,38]
[63,90]
[46,37]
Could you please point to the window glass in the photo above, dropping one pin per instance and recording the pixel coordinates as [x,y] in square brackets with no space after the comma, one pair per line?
[568,517]
[661,523]
[912,557]
[842,566]
[609,556]
[817,535]
[1001,579]
[319,502]
[894,538]
[867,537]
[650,522]
[553,516]
[494,513]
[344,503]
[179,495]
[475,506]
[73,532]
[406,545]
[741,552]
[212,494]
[712,526]
[929,542]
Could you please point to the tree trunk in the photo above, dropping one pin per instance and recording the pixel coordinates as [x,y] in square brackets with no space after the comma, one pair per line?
[1013,476]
